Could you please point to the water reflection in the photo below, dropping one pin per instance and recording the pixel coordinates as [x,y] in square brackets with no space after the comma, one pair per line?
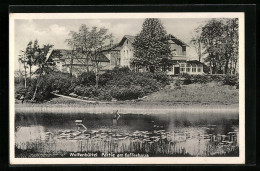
[155,135]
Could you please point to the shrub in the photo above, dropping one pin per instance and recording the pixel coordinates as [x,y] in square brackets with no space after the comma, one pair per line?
[87,91]
[105,94]
[202,79]
[217,78]
[231,80]
[62,82]
[187,79]
[87,78]
[19,89]
[162,77]
[133,92]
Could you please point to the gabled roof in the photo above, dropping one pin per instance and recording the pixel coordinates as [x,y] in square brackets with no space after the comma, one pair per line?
[177,41]
[129,38]
[111,47]
[101,58]
[171,37]
[62,54]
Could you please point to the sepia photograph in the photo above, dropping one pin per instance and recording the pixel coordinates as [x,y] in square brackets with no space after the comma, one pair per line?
[127,88]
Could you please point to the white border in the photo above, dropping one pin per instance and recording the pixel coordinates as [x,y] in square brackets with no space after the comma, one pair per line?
[153,160]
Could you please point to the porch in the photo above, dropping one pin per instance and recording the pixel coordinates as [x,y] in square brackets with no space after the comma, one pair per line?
[189,67]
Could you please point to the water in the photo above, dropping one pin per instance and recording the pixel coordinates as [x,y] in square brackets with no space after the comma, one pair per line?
[133,135]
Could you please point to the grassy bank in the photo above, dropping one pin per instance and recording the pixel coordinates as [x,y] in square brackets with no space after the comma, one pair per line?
[202,98]
[210,93]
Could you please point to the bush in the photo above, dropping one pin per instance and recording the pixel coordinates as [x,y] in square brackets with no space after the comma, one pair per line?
[162,77]
[19,89]
[202,79]
[187,79]
[62,82]
[105,94]
[87,78]
[86,91]
[133,92]
[231,80]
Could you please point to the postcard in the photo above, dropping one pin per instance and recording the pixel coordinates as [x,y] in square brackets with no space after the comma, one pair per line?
[127,88]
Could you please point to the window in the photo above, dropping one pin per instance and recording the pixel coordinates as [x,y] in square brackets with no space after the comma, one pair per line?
[193,68]
[199,69]
[182,67]
[126,42]
[188,66]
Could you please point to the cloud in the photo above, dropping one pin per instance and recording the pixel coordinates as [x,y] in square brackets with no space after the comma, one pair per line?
[27,30]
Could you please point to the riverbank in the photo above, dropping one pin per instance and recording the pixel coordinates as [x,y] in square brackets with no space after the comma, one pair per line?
[63,105]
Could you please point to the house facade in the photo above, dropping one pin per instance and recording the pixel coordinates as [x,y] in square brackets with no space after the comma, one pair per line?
[66,61]
[121,54]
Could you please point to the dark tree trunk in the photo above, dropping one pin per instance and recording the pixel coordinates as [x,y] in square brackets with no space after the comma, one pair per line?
[226,65]
[30,75]
[37,84]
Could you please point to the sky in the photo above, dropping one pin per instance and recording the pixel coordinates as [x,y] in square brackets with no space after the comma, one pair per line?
[55,31]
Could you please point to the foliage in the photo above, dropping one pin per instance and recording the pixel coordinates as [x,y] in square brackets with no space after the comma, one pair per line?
[87,78]
[19,89]
[88,45]
[61,82]
[219,38]
[127,93]
[57,81]
[87,91]
[122,84]
[231,80]
[186,78]
[151,45]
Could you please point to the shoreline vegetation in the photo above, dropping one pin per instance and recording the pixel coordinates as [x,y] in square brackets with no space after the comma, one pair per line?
[181,94]
[61,105]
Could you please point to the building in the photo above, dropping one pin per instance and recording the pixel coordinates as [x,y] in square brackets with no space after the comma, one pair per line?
[123,53]
[120,55]
[67,61]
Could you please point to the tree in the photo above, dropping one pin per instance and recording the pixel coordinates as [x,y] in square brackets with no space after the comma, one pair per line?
[151,45]
[220,40]
[22,59]
[88,45]
[30,51]
[232,45]
[212,38]
[196,41]
[40,56]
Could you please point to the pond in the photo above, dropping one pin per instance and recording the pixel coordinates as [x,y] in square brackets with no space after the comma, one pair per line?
[132,135]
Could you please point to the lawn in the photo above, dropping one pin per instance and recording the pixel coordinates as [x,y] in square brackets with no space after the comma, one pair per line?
[197,93]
